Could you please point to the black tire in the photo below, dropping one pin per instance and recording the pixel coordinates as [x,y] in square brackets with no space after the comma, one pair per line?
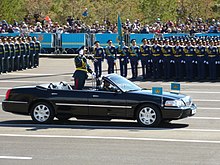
[148,115]
[42,112]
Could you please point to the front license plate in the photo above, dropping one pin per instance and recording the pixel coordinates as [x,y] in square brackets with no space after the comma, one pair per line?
[193,111]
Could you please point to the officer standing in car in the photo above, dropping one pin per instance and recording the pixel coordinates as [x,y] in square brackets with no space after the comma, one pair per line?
[82,67]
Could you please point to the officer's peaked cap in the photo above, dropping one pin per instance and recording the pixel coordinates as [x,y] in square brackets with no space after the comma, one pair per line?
[96,42]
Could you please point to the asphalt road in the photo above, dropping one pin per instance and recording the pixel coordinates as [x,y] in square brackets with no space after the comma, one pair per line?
[190,141]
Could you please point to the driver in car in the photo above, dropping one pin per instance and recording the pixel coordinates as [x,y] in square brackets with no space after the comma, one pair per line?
[107,86]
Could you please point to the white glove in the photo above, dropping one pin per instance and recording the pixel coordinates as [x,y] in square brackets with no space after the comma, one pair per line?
[122,59]
[93,75]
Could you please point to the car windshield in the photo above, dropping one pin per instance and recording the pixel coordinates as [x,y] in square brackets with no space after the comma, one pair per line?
[124,84]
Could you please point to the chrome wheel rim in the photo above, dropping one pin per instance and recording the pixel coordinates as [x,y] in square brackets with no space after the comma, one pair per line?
[41,113]
[147,116]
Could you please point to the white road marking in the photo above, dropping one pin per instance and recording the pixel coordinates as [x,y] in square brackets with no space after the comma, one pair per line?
[205,100]
[206,118]
[202,92]
[15,157]
[208,108]
[19,81]
[114,138]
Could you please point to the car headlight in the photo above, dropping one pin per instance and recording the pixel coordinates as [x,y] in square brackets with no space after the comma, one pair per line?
[174,103]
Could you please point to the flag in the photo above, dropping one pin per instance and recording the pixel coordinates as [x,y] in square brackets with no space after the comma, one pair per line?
[120,37]
[157,90]
[175,87]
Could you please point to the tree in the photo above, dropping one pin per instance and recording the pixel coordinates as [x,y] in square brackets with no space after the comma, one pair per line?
[10,11]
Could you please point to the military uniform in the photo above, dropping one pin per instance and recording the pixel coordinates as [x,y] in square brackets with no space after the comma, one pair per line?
[123,59]
[111,53]
[201,55]
[2,54]
[23,55]
[27,59]
[167,57]
[189,57]
[17,56]
[212,52]
[157,60]
[82,67]
[32,52]
[134,52]
[99,57]
[145,56]
[12,58]
[37,51]
[178,58]
[7,57]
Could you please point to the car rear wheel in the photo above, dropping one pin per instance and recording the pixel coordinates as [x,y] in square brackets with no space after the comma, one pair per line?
[148,115]
[42,113]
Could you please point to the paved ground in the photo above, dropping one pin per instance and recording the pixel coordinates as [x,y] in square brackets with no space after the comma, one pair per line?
[191,141]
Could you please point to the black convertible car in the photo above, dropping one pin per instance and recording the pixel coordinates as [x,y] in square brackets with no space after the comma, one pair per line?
[123,100]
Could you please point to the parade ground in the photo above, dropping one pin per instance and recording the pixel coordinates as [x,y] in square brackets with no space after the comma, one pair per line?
[190,141]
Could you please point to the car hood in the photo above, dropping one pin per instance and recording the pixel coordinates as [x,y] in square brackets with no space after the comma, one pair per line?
[167,95]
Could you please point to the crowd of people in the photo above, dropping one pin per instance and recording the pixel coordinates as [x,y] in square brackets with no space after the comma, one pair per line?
[174,58]
[78,26]
[18,53]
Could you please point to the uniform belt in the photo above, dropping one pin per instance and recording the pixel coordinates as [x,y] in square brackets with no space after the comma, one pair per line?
[85,70]
[167,55]
[6,51]
[97,57]
[144,54]
[200,55]
[177,55]
[17,51]
[189,55]
[156,55]
[31,49]
[212,55]
[133,55]
[122,55]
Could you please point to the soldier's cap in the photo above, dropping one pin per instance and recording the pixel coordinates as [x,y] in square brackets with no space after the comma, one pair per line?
[144,39]
[109,41]
[96,42]
[133,40]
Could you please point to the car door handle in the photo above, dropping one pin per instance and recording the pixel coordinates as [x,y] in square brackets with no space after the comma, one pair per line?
[54,94]
[95,95]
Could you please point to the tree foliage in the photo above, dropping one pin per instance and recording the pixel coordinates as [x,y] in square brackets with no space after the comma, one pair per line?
[100,10]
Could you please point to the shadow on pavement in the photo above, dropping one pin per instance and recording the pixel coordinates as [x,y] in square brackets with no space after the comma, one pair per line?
[89,125]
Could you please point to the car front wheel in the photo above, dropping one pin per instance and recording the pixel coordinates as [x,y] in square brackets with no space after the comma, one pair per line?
[148,115]
[42,113]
